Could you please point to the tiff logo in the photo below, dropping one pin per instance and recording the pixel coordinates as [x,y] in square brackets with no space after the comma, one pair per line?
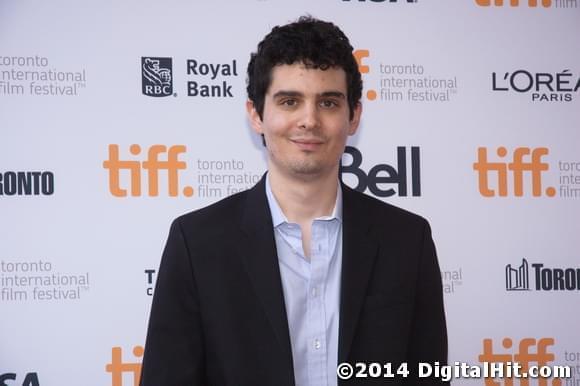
[524,356]
[517,279]
[517,168]
[157,76]
[152,165]
[359,55]
[117,367]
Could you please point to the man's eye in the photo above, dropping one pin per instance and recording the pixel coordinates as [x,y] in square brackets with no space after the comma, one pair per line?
[328,103]
[289,102]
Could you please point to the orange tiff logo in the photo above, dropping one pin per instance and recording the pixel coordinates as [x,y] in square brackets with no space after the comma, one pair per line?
[359,55]
[117,367]
[152,165]
[519,167]
[513,3]
[524,356]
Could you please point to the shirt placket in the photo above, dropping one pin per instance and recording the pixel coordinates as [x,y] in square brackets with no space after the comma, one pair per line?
[318,350]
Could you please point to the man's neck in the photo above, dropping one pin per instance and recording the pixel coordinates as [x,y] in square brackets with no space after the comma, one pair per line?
[304,199]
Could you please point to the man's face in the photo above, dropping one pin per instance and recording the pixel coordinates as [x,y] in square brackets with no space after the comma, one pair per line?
[305,120]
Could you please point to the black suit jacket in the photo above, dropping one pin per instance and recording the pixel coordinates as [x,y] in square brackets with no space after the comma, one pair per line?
[218,315]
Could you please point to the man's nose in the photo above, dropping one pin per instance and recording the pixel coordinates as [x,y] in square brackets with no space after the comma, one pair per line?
[309,118]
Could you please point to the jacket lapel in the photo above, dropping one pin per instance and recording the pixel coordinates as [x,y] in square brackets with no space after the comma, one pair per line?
[358,255]
[261,262]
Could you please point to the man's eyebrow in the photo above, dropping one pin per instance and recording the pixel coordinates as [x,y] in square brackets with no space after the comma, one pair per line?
[325,94]
[335,94]
[287,93]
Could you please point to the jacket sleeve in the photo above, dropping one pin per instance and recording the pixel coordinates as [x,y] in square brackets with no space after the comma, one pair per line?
[428,340]
[174,352]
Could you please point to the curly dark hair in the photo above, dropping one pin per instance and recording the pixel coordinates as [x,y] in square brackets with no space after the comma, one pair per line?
[316,44]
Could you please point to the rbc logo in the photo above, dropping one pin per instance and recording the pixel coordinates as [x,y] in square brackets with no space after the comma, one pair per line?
[157,76]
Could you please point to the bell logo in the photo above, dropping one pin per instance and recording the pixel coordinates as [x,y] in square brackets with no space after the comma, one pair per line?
[517,168]
[117,367]
[152,165]
[382,174]
[513,3]
[540,356]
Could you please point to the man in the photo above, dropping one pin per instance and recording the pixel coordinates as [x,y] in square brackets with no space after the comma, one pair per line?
[279,284]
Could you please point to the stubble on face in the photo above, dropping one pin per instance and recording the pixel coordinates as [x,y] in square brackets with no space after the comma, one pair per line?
[306,165]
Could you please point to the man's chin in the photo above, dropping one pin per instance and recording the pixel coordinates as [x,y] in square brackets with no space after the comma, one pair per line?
[308,171]
[305,169]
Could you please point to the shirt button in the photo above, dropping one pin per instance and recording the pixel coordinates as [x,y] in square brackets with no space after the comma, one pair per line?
[317,344]
[314,292]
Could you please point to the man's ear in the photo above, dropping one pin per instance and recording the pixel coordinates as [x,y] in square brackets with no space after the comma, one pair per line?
[355,121]
[254,117]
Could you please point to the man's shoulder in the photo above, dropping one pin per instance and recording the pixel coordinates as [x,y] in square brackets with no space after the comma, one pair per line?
[381,213]
[215,216]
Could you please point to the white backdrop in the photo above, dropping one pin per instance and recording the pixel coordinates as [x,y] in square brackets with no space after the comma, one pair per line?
[77,258]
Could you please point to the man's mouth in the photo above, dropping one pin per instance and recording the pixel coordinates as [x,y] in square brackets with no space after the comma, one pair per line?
[307,143]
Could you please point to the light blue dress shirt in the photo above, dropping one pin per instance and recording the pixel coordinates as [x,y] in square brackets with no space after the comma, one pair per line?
[311,291]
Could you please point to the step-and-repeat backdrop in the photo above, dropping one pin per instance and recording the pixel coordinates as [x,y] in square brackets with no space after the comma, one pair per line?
[117,116]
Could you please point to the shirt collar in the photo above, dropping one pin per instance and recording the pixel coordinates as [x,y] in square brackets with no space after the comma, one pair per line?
[278,216]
